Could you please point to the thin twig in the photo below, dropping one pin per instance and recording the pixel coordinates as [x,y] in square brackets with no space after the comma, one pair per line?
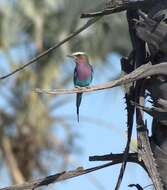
[125,159]
[54,47]
[136,185]
[147,186]
[139,187]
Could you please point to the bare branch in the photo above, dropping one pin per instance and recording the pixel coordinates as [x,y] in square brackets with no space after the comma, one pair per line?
[56,178]
[117,6]
[132,157]
[114,158]
[54,47]
[142,72]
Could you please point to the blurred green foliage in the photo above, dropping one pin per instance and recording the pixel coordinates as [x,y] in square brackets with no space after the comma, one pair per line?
[28,27]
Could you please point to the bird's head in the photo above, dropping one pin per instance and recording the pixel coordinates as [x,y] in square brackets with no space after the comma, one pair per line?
[79,57]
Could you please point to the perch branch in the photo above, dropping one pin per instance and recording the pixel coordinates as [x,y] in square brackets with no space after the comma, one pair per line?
[51,49]
[143,71]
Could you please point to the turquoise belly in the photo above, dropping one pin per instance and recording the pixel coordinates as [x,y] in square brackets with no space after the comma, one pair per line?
[83,83]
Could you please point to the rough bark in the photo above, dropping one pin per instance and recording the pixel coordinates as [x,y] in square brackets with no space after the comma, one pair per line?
[153,30]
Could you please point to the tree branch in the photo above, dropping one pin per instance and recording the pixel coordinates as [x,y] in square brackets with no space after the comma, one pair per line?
[132,157]
[143,71]
[115,159]
[54,47]
[118,6]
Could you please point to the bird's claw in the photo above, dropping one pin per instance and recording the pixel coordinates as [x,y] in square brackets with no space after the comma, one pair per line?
[78,87]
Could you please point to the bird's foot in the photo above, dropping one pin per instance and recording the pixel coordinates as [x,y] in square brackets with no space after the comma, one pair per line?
[78,87]
[88,87]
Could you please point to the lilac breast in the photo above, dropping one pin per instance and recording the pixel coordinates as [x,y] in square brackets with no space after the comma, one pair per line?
[83,71]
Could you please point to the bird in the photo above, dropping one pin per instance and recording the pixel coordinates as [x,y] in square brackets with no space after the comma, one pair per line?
[83,75]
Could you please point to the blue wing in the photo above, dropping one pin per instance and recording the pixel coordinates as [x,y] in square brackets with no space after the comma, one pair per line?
[92,72]
[75,76]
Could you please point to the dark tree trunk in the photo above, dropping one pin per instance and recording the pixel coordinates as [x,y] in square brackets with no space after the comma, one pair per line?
[153,30]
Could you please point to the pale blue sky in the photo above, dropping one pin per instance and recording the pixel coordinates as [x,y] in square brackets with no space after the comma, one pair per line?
[108,108]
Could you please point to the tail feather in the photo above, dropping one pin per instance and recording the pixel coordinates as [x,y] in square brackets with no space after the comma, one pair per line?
[78,103]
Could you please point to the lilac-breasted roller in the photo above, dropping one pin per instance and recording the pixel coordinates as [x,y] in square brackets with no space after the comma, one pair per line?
[83,74]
